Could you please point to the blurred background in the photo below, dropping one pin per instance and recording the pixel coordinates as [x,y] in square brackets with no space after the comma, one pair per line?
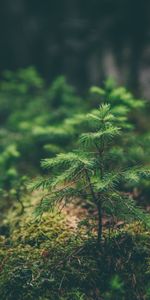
[86,41]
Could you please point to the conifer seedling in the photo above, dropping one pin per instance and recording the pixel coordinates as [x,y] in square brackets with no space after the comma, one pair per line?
[95,172]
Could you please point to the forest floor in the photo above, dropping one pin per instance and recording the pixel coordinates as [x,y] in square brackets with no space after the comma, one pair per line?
[58,258]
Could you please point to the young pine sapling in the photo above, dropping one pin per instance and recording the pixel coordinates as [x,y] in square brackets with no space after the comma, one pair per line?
[94,172]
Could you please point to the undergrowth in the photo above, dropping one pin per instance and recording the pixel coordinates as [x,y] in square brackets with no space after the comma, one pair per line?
[49,261]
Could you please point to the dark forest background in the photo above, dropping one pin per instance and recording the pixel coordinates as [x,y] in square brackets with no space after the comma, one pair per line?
[86,40]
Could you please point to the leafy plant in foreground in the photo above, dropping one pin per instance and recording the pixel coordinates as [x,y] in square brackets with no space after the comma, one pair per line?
[93,172]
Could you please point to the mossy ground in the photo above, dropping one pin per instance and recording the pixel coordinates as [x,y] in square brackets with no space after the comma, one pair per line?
[48,260]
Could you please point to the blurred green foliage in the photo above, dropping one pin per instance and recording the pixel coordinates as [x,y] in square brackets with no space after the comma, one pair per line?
[32,113]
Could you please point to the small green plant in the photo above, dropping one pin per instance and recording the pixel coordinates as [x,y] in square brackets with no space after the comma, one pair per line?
[8,172]
[19,190]
[12,184]
[94,172]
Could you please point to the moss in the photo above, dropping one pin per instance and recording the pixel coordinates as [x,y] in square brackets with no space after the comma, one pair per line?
[48,261]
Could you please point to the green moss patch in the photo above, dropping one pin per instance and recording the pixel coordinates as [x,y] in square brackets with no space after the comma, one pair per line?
[47,260]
